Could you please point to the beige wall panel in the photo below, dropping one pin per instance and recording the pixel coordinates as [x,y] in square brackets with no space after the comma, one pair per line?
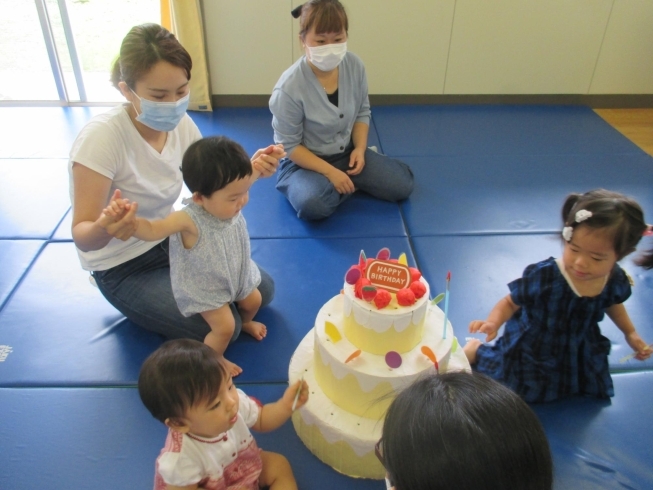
[525,46]
[625,64]
[248,44]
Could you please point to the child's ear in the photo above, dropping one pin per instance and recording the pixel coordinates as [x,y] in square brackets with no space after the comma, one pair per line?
[197,198]
[177,424]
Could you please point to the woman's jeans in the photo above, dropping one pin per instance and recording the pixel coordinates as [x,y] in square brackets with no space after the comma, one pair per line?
[140,289]
[314,197]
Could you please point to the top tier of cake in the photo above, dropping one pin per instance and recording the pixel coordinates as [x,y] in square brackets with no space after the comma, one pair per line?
[384,305]
[394,327]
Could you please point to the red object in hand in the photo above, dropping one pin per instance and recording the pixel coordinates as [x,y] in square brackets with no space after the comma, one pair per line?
[415,275]
[405,297]
[382,298]
[418,289]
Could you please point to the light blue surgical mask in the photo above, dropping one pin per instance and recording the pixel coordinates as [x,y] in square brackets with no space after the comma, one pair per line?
[162,116]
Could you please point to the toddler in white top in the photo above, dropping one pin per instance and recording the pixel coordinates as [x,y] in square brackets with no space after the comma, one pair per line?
[184,385]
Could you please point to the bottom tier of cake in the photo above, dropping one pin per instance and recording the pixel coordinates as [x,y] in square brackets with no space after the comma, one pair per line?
[339,438]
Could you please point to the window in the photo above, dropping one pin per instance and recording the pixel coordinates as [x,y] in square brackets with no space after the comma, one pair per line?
[62,51]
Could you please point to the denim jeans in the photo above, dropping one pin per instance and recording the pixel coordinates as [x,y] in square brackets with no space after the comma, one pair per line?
[314,197]
[140,289]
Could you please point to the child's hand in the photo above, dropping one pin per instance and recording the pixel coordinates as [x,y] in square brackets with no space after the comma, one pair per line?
[638,345]
[119,217]
[266,161]
[115,211]
[289,396]
[483,326]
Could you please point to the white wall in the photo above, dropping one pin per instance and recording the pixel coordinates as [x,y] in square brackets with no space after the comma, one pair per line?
[448,46]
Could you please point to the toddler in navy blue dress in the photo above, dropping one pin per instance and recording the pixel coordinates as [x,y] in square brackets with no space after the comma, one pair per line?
[552,346]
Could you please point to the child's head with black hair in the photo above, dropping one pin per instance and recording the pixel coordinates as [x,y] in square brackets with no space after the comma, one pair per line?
[184,385]
[463,430]
[618,218]
[219,173]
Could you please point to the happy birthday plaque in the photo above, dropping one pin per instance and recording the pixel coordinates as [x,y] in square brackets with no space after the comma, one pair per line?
[390,276]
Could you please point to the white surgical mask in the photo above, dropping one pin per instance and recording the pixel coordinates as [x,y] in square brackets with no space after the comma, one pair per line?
[162,116]
[328,56]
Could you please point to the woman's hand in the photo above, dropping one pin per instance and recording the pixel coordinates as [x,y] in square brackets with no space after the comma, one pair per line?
[490,329]
[340,181]
[356,161]
[266,161]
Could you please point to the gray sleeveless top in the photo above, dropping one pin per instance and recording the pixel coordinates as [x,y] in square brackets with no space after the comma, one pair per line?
[218,269]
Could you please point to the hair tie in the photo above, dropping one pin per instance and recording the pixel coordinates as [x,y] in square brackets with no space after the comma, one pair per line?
[567,231]
[648,231]
[579,217]
[297,11]
[582,215]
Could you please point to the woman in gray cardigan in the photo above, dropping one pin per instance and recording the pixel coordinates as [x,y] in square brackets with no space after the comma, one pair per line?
[321,114]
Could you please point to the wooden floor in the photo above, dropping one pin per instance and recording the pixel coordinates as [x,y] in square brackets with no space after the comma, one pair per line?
[635,124]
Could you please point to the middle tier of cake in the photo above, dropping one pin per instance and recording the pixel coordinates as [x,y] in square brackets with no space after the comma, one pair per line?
[363,383]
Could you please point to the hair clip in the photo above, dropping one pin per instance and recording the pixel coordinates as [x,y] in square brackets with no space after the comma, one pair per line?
[582,215]
[567,231]
[297,11]
[648,231]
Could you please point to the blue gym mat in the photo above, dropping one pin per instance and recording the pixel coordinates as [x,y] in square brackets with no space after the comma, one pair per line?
[482,266]
[70,335]
[63,233]
[42,132]
[472,194]
[34,197]
[602,444]
[15,258]
[105,436]
[490,181]
[64,333]
[496,130]
[270,215]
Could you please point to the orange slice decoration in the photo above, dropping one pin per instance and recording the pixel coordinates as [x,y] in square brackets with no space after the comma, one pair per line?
[353,356]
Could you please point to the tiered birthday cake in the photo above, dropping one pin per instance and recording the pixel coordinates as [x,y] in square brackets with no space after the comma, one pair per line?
[377,336]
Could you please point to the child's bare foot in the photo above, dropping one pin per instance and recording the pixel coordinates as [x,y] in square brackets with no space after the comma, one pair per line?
[255,329]
[470,349]
[233,369]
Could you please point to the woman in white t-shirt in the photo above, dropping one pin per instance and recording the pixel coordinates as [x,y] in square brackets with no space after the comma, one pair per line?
[137,148]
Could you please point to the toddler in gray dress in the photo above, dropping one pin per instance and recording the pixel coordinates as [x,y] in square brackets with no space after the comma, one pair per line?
[210,261]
